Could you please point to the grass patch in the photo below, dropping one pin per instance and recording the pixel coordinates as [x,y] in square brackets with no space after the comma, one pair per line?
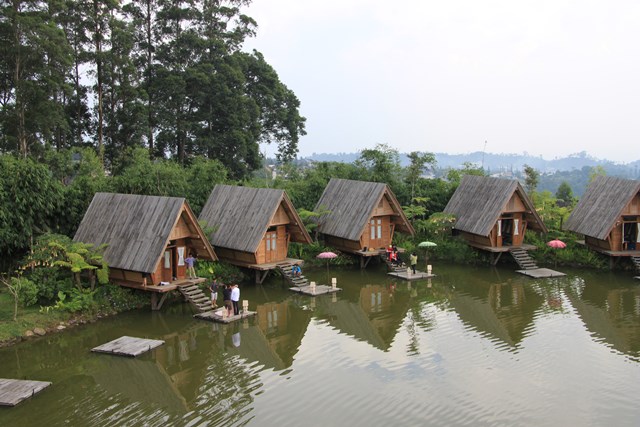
[28,318]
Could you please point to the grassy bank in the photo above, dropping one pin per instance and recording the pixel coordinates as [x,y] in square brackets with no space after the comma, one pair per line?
[109,300]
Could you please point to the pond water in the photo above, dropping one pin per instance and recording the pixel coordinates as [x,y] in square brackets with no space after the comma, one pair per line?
[472,346]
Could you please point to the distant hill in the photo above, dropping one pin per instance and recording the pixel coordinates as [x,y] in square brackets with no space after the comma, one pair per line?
[574,168]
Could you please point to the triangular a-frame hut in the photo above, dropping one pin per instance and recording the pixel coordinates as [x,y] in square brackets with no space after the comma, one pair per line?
[608,215]
[361,217]
[252,227]
[148,239]
[493,214]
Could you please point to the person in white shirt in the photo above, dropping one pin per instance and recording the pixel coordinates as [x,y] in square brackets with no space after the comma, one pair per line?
[235,299]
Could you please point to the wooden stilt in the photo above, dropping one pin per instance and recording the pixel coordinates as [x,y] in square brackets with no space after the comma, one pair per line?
[260,276]
[156,304]
[495,257]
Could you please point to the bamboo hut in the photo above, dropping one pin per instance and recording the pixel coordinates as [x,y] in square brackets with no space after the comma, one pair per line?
[147,240]
[252,227]
[361,217]
[493,214]
[608,215]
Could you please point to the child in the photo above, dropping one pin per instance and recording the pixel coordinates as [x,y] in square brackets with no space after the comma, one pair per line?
[214,293]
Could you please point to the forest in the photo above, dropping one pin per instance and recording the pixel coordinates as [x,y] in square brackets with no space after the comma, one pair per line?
[166,75]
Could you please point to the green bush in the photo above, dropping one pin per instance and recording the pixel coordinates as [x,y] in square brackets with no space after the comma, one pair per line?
[27,291]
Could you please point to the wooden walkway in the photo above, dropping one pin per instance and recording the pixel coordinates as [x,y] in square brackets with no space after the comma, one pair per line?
[539,273]
[320,290]
[216,316]
[128,346]
[410,276]
[13,392]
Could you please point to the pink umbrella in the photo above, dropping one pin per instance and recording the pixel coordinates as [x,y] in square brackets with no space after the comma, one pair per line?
[327,256]
[557,244]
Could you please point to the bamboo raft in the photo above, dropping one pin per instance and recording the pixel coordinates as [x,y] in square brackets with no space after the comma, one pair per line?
[128,346]
[216,316]
[540,273]
[13,392]
[320,290]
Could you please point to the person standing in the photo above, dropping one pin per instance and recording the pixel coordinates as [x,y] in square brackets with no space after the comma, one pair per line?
[235,299]
[413,260]
[191,272]
[226,299]
[214,293]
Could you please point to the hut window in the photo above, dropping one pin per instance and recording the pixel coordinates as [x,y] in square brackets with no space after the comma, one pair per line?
[515,227]
[499,224]
[181,255]
[273,241]
[373,229]
[379,229]
[167,259]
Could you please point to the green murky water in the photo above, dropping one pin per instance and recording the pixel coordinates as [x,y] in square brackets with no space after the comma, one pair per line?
[474,346]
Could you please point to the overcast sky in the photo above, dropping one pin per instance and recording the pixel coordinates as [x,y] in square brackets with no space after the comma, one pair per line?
[549,78]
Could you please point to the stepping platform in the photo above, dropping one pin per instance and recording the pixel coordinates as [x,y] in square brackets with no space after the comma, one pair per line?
[13,392]
[539,273]
[216,316]
[403,275]
[320,290]
[128,346]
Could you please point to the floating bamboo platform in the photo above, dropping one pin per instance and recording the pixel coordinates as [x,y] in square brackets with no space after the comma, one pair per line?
[540,273]
[418,275]
[216,316]
[128,346]
[320,290]
[13,392]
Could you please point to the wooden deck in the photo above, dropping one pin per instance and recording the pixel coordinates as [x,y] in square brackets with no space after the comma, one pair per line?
[320,290]
[13,392]
[610,253]
[216,316]
[172,286]
[539,273]
[524,246]
[128,346]
[410,276]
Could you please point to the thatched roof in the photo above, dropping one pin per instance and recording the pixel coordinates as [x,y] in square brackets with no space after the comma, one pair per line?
[351,204]
[136,229]
[480,200]
[601,205]
[241,216]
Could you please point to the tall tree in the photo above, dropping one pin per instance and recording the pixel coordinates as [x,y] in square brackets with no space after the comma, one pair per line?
[531,178]
[34,61]
[418,162]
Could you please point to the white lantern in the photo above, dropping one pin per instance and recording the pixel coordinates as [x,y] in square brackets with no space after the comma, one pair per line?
[312,286]
[429,269]
[334,282]
[245,305]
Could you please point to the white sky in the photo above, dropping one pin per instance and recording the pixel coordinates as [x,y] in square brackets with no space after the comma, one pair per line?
[549,77]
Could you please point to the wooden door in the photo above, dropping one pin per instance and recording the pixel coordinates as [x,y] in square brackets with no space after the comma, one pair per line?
[271,246]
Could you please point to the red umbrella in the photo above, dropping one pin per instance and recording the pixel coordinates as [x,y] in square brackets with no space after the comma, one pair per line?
[557,244]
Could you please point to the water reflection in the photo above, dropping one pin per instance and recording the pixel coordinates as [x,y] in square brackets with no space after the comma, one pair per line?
[610,310]
[445,338]
[501,308]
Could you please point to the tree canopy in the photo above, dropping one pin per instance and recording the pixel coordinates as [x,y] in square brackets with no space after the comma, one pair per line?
[167,76]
